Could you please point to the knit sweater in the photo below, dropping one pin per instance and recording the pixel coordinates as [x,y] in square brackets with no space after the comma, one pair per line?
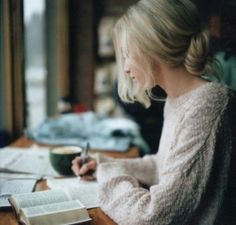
[188,179]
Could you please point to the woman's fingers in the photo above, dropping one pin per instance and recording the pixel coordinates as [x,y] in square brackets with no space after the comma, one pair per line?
[76,165]
[88,167]
[86,170]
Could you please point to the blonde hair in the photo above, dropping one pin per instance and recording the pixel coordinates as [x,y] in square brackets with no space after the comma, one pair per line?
[166,31]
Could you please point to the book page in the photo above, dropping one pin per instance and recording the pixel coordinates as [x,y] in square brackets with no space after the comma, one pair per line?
[17,186]
[39,198]
[7,158]
[4,201]
[88,195]
[52,208]
[19,176]
[85,191]
[32,160]
[71,212]
[10,187]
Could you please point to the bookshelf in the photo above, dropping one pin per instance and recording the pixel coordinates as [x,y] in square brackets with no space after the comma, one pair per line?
[91,56]
[106,13]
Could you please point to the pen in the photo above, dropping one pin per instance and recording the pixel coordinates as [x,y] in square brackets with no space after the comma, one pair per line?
[84,154]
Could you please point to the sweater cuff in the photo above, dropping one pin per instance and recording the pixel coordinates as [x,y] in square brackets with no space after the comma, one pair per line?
[101,158]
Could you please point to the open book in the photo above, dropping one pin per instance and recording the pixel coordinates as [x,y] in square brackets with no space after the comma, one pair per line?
[51,207]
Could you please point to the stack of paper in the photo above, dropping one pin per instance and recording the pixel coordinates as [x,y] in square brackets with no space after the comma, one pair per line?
[8,187]
[33,161]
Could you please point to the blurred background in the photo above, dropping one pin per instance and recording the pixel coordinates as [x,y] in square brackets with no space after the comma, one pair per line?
[57,57]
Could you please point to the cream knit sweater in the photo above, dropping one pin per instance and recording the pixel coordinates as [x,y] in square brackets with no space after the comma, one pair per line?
[188,177]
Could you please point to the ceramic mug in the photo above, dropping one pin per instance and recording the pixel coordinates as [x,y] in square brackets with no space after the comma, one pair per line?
[61,158]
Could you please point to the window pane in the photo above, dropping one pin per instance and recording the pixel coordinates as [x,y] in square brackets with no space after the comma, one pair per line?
[35,66]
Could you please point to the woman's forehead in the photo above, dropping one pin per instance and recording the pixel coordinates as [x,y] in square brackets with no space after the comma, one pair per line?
[127,45]
[123,44]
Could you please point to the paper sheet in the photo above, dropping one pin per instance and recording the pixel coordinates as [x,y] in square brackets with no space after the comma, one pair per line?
[26,160]
[85,191]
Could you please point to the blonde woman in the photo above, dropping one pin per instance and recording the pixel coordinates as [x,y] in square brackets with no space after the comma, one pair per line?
[161,42]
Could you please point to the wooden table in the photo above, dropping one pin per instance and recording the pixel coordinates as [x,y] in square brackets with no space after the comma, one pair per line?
[97,215]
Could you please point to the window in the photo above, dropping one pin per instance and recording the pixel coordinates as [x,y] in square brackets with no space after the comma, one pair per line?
[35,63]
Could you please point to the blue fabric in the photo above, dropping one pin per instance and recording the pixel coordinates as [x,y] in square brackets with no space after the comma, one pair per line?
[102,133]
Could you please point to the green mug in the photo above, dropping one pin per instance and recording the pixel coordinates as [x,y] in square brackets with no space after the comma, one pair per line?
[61,158]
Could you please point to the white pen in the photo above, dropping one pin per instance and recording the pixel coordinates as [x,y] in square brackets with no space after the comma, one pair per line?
[84,154]
[84,159]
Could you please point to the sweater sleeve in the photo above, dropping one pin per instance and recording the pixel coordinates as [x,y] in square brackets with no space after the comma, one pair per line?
[182,182]
[136,167]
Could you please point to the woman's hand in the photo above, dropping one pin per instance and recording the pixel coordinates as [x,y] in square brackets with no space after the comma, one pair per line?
[86,170]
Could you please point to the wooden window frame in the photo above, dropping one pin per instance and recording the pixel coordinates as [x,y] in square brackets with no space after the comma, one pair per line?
[12,92]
